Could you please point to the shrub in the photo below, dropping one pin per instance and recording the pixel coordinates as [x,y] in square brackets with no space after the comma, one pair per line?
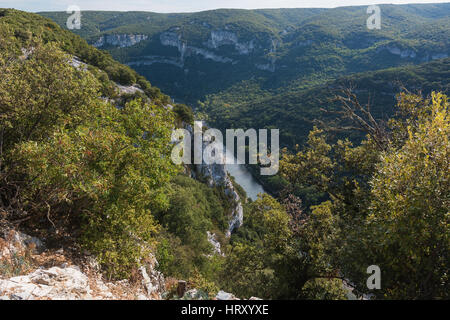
[80,160]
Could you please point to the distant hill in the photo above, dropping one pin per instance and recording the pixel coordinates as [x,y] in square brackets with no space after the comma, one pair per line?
[193,55]
[296,110]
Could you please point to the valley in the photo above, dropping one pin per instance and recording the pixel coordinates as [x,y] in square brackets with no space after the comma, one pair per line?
[227,63]
[95,203]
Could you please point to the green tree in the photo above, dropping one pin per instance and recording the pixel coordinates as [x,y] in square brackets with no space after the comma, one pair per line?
[388,204]
[93,170]
[409,216]
[268,259]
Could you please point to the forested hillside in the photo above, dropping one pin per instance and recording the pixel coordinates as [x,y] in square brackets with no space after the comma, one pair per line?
[85,151]
[85,162]
[297,110]
[193,55]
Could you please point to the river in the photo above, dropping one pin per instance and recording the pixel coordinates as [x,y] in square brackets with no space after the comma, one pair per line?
[245,179]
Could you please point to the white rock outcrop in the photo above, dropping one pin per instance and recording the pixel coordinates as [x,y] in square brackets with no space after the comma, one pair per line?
[70,283]
[18,241]
[120,40]
[402,53]
[57,283]
[173,39]
[67,281]
[217,175]
[149,60]
[152,280]
[222,37]
[128,89]
[222,295]
[212,238]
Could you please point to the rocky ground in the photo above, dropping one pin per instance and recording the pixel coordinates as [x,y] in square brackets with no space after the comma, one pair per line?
[29,271]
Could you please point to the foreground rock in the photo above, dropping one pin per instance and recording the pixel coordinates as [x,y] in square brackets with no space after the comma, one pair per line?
[222,295]
[70,283]
[67,283]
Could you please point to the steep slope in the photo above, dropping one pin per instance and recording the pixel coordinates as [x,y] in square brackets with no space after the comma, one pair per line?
[85,162]
[26,27]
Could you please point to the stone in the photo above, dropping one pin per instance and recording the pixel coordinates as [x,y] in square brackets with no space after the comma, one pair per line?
[222,295]
[52,284]
[19,241]
[212,238]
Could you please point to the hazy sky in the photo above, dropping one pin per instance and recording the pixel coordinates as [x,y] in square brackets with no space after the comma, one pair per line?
[184,5]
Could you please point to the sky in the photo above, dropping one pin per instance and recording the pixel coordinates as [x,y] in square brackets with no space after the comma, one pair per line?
[185,5]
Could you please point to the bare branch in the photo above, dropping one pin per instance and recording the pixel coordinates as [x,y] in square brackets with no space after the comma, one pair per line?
[353,110]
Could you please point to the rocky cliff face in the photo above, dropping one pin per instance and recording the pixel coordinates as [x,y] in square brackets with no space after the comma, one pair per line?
[422,56]
[149,60]
[222,37]
[173,39]
[119,40]
[212,238]
[217,175]
[209,50]
[403,53]
[262,50]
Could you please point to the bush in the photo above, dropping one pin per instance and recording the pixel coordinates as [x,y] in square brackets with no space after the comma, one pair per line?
[80,160]
[194,209]
[184,113]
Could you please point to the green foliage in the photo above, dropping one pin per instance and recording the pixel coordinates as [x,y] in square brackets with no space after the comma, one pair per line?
[41,93]
[296,109]
[388,207]
[198,281]
[184,114]
[194,209]
[19,28]
[121,74]
[409,216]
[187,217]
[324,289]
[75,157]
[268,259]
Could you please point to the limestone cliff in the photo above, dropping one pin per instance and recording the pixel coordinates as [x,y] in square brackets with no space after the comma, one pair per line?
[217,175]
[209,49]
[119,40]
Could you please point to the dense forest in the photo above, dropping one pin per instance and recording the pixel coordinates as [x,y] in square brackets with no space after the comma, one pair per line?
[363,182]
[268,52]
